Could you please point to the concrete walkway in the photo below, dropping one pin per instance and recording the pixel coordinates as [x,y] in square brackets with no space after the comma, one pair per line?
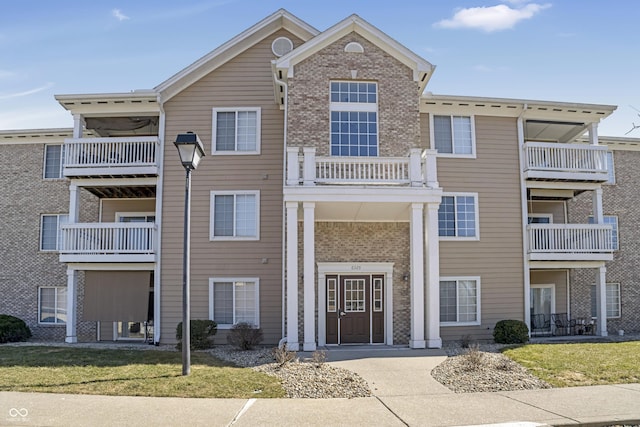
[404,395]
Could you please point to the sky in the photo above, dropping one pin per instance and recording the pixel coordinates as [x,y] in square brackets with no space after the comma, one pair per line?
[584,51]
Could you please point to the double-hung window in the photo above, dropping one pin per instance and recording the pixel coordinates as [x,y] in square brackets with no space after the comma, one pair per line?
[459,301]
[613,220]
[613,300]
[458,217]
[52,305]
[354,118]
[235,215]
[50,233]
[233,301]
[53,161]
[236,131]
[453,135]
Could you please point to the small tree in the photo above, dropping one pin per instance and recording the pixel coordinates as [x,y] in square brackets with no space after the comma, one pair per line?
[201,334]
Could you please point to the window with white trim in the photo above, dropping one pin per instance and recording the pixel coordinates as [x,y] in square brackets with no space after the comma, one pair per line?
[53,161]
[613,220]
[453,135]
[458,217]
[459,301]
[236,131]
[233,301]
[235,215]
[50,233]
[52,305]
[611,172]
[613,300]
[354,118]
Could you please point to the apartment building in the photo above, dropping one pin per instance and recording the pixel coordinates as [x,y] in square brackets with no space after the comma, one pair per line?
[339,201]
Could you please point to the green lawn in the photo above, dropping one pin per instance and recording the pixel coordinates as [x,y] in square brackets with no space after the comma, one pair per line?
[569,365]
[128,373]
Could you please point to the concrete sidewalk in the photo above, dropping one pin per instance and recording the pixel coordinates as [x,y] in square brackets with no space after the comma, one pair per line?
[404,394]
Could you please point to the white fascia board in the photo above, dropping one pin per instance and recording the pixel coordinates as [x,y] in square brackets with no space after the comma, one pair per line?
[100,182]
[362,195]
[368,31]
[232,48]
[108,104]
[35,136]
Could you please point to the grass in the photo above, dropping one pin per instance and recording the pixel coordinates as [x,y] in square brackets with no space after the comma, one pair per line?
[128,373]
[581,364]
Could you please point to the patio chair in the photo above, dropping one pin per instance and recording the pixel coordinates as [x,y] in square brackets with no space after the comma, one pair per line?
[540,324]
[562,324]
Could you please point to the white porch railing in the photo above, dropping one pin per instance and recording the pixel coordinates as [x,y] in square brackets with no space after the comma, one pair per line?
[571,158]
[417,169]
[83,154]
[570,238]
[104,238]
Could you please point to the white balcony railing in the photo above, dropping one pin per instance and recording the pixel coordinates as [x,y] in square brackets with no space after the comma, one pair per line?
[103,239]
[416,170]
[549,160]
[95,156]
[570,238]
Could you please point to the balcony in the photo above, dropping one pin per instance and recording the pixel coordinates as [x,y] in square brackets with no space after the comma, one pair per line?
[95,157]
[565,162]
[418,169]
[570,242]
[108,242]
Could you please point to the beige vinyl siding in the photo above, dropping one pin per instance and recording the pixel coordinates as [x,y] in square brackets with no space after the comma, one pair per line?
[497,256]
[112,206]
[553,277]
[553,207]
[245,81]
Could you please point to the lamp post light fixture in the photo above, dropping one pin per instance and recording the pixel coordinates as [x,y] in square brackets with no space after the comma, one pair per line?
[191,152]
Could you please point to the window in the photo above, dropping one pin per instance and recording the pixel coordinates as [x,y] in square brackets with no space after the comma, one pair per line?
[459,301]
[53,161]
[454,135]
[613,220]
[613,300]
[233,300]
[50,233]
[610,169]
[354,119]
[234,215]
[458,217]
[52,305]
[236,131]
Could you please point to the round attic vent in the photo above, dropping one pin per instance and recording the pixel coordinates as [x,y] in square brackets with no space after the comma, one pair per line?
[354,47]
[281,46]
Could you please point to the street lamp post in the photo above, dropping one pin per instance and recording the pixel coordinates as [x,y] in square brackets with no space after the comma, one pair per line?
[191,152]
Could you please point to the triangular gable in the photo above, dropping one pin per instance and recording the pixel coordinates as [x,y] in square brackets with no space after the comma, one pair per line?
[422,69]
[232,48]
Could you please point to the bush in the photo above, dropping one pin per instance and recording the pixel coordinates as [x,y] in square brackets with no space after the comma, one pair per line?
[282,355]
[511,332]
[244,336]
[201,333]
[13,329]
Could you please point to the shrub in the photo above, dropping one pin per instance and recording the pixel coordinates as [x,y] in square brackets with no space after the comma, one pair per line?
[201,333]
[319,357]
[13,329]
[244,336]
[282,355]
[473,357]
[511,332]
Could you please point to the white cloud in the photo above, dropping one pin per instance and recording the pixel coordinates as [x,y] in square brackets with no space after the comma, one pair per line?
[117,13]
[26,92]
[491,18]
[5,74]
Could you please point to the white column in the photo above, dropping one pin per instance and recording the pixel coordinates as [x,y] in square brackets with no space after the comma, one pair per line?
[293,166]
[74,203]
[292,276]
[78,125]
[593,134]
[416,231]
[415,171]
[432,263]
[309,277]
[601,301]
[597,206]
[72,298]
[309,166]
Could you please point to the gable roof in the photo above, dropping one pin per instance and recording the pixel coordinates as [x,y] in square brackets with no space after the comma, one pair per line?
[232,48]
[422,69]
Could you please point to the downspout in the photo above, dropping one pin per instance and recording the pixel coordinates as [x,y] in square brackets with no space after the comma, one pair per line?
[284,86]
[159,185]
[525,218]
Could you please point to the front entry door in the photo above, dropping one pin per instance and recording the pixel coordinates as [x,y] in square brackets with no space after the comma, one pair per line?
[355,309]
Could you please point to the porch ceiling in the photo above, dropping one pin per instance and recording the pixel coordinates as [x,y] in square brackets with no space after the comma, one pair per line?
[360,211]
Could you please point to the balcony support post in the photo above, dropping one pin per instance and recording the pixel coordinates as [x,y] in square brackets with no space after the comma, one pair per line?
[292,276]
[415,172]
[293,166]
[72,298]
[593,133]
[430,168]
[601,301]
[432,263]
[598,217]
[78,124]
[74,203]
[309,166]
[309,264]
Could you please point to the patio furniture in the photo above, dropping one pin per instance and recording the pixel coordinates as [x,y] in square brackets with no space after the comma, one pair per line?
[540,324]
[562,324]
